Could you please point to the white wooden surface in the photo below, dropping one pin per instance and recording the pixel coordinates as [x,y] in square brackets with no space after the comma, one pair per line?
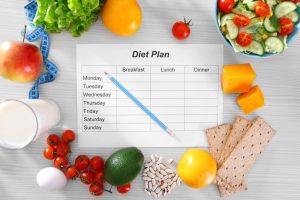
[275,176]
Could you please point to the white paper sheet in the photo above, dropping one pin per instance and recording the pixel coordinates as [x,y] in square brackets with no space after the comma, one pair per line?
[180,84]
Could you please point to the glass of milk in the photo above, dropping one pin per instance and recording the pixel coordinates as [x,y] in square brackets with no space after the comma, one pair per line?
[24,121]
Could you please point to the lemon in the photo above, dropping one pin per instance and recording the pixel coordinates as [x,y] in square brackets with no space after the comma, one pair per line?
[197,168]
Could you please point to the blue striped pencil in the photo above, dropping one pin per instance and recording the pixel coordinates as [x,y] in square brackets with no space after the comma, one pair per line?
[139,104]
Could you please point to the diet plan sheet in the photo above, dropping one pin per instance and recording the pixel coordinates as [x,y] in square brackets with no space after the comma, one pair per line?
[179,84]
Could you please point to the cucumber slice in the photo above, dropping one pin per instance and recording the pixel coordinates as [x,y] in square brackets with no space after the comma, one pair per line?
[293,16]
[251,5]
[241,9]
[268,26]
[226,17]
[264,33]
[272,2]
[274,45]
[233,30]
[284,8]
[255,47]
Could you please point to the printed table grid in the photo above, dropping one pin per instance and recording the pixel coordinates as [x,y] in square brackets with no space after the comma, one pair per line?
[148,78]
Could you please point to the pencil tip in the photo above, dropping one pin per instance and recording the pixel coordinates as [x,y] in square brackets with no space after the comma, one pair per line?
[170,132]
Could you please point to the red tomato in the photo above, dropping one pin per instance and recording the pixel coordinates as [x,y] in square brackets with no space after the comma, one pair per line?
[124,189]
[97,163]
[294,1]
[68,136]
[286,26]
[82,162]
[96,189]
[263,9]
[71,172]
[244,39]
[65,148]
[58,150]
[53,139]
[226,6]
[60,162]
[49,153]
[99,176]
[87,177]
[241,20]
[181,30]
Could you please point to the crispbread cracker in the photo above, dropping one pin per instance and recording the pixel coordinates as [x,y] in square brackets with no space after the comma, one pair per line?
[217,137]
[246,153]
[225,191]
[239,129]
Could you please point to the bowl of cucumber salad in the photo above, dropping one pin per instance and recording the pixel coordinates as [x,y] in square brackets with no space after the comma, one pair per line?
[258,28]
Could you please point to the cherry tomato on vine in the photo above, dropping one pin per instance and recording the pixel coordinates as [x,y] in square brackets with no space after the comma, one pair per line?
[124,189]
[58,150]
[49,153]
[97,163]
[262,9]
[71,172]
[181,29]
[68,136]
[82,162]
[241,20]
[244,39]
[99,176]
[96,189]
[286,26]
[65,148]
[87,176]
[60,162]
[226,6]
[53,140]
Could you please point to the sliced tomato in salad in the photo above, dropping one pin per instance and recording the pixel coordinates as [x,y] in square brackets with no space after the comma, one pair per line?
[244,39]
[286,26]
[294,1]
[262,9]
[226,6]
[241,20]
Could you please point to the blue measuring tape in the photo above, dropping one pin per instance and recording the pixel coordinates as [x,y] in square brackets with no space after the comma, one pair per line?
[34,33]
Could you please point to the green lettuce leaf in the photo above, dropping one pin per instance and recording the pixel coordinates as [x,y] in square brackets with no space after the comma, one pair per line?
[75,16]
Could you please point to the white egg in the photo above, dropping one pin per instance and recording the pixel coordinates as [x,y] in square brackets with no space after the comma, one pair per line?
[51,178]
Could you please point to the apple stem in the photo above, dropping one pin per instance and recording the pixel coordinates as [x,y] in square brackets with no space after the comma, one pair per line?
[24,34]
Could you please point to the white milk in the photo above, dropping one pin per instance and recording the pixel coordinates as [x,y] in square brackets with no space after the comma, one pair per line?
[23,121]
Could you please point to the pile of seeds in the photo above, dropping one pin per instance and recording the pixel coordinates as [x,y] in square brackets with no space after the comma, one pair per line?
[159,178]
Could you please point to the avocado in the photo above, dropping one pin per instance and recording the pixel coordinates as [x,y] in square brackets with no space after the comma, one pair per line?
[123,166]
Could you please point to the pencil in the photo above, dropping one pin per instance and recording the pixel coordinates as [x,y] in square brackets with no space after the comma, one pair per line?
[139,104]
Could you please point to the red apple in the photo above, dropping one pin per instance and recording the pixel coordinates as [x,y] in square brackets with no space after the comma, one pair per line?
[20,62]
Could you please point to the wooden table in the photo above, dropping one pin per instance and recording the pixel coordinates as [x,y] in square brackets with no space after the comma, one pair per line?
[275,176]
